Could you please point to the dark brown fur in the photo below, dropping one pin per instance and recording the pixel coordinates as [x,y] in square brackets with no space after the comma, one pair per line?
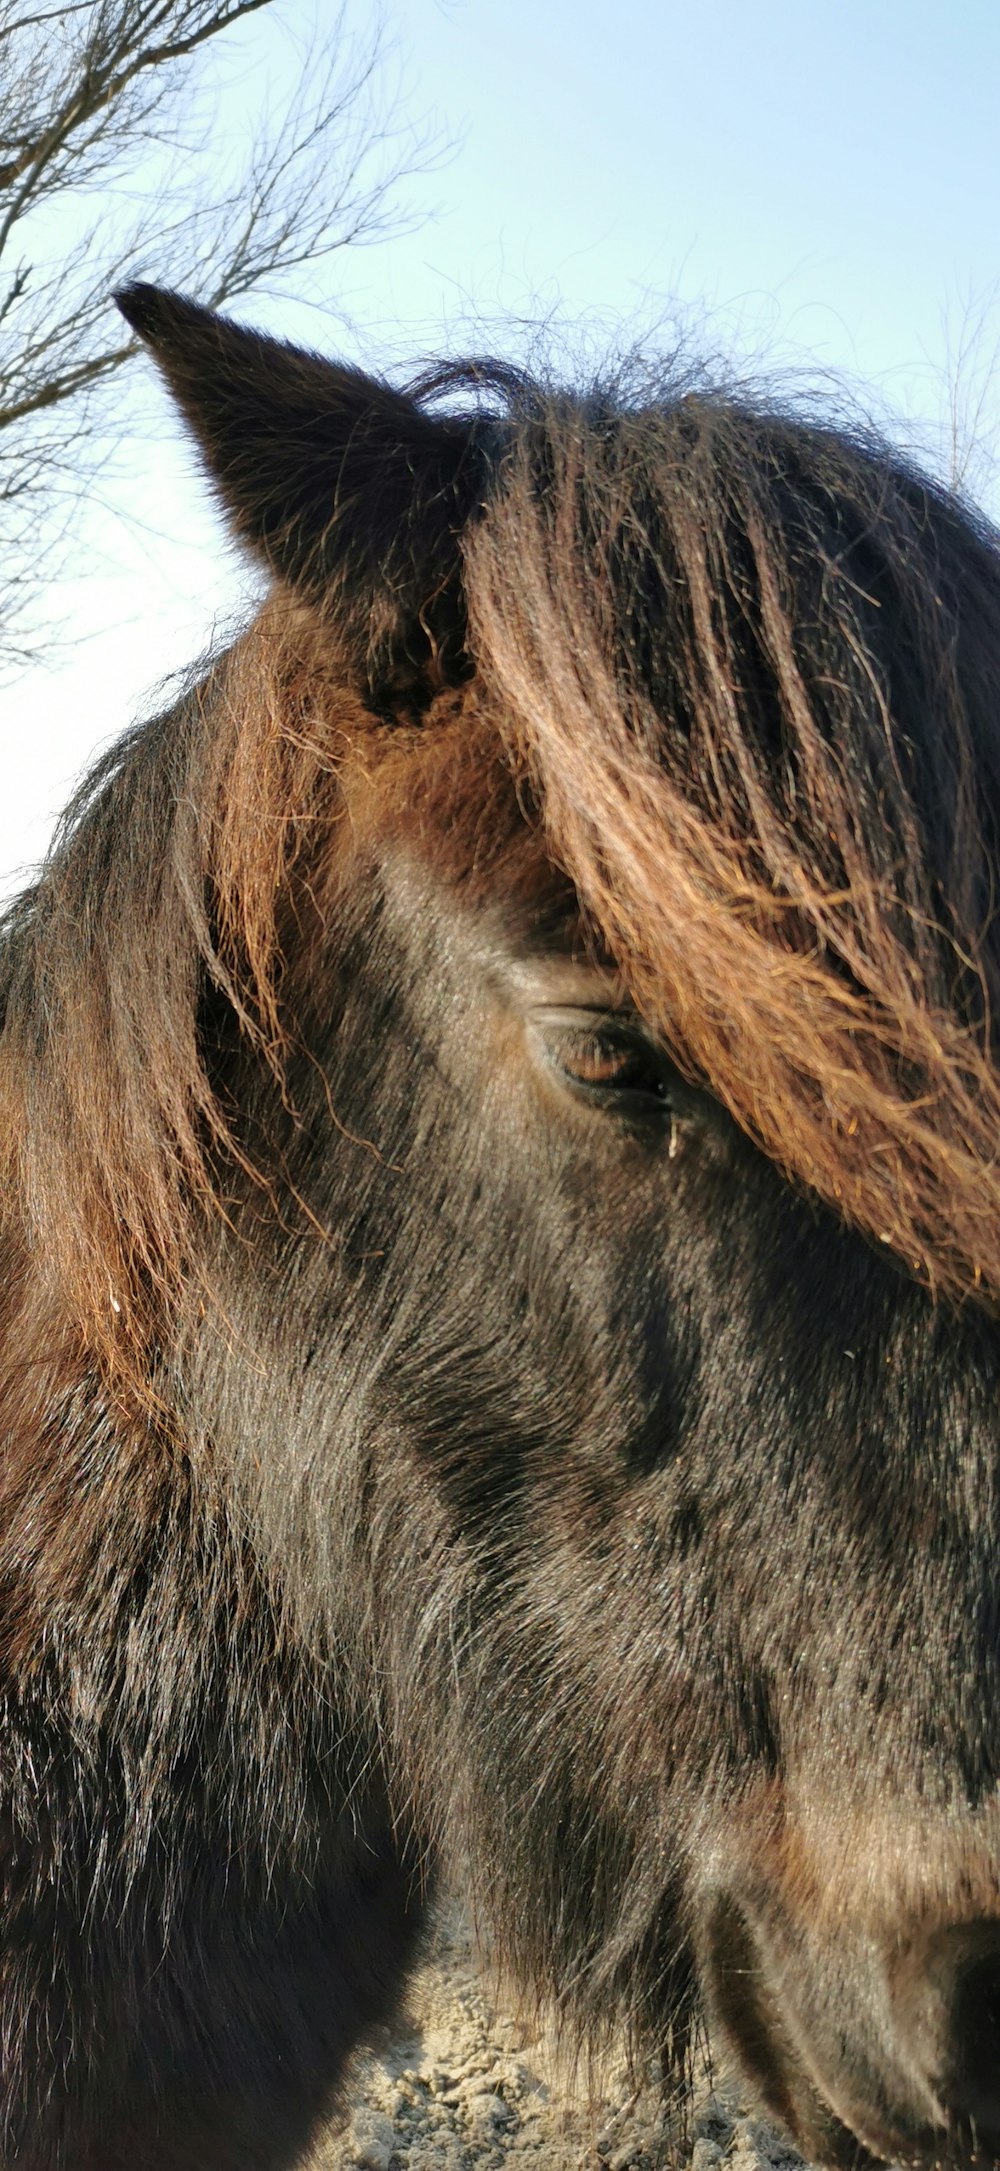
[431,1429]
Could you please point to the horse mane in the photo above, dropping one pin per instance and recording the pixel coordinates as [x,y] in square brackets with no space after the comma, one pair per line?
[750,663]
[746,664]
[161,899]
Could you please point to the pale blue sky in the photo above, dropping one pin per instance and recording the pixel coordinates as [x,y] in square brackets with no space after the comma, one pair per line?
[818,184]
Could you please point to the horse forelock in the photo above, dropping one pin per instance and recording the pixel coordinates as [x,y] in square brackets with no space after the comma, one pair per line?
[749,668]
[738,674]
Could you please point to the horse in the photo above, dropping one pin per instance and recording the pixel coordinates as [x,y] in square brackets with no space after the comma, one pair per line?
[501,1256]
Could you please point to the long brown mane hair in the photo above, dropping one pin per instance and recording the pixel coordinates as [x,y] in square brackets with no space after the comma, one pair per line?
[751,665]
[743,669]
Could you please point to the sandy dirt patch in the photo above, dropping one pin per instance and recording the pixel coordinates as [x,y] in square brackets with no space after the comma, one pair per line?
[461,2086]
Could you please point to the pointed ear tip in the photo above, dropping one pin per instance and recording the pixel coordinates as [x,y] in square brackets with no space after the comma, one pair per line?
[140,306]
[154,312]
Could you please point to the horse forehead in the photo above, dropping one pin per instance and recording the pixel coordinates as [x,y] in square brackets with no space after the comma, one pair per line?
[510,922]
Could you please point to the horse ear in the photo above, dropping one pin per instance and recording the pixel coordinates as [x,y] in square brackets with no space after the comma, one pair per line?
[346,488]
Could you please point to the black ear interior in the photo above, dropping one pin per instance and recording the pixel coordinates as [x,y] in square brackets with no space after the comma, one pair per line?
[346,488]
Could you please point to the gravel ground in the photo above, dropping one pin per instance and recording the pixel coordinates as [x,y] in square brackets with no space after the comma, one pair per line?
[460,2086]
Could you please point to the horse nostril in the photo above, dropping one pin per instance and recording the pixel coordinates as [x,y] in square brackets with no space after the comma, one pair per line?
[949,2005]
[975,2093]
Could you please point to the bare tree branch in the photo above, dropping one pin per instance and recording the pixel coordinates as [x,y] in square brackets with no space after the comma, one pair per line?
[49,15]
[106,104]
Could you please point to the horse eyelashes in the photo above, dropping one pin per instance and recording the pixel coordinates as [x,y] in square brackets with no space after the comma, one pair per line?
[608,1062]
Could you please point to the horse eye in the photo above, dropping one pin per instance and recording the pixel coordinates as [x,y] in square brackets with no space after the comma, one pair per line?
[609,1061]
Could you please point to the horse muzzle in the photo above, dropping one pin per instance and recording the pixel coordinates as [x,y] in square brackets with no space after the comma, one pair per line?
[879,2044]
